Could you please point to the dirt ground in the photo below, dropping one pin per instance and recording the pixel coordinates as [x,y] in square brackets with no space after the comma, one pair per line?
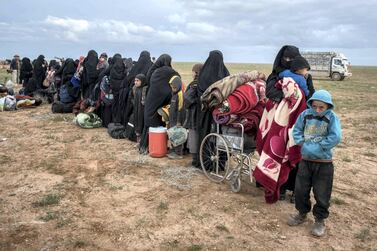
[66,188]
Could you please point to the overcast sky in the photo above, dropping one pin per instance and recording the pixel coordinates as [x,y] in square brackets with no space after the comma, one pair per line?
[245,31]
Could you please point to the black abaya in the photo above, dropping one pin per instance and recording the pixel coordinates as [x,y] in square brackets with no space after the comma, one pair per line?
[159,95]
[90,73]
[117,75]
[39,71]
[212,71]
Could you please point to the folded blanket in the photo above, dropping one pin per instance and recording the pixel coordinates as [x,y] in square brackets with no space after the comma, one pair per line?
[243,99]
[276,147]
[220,118]
[220,90]
[251,120]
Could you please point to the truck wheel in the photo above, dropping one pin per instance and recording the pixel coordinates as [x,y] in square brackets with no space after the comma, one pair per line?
[336,76]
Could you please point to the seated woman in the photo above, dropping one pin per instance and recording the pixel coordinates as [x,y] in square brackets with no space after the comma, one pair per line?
[68,94]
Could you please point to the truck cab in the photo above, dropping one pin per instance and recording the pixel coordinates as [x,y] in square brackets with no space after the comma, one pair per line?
[339,68]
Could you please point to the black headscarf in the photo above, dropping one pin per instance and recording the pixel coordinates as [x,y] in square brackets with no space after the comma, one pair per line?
[69,69]
[159,95]
[52,64]
[212,71]
[117,75]
[26,65]
[142,78]
[163,60]
[39,71]
[141,67]
[280,64]
[117,72]
[128,63]
[90,73]
[26,70]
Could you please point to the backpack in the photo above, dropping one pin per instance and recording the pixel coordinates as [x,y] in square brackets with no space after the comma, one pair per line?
[64,95]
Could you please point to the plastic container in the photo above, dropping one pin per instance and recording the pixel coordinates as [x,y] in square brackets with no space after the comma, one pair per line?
[157,142]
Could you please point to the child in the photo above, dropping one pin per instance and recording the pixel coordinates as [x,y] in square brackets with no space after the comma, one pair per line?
[299,69]
[139,92]
[317,130]
[190,99]
[176,113]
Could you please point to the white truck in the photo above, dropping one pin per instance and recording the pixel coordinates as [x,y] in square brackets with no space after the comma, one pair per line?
[328,64]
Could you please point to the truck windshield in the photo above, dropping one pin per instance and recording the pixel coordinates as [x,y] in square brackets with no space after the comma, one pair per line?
[337,61]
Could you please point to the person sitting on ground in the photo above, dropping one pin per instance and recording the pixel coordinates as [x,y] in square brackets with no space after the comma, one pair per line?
[318,131]
[298,71]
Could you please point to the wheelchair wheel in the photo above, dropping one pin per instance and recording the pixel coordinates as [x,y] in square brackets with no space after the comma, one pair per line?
[214,157]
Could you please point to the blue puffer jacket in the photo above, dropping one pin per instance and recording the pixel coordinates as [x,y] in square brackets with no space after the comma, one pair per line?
[318,133]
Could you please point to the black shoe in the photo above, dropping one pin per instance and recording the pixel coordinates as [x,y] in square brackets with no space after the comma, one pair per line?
[319,228]
[296,219]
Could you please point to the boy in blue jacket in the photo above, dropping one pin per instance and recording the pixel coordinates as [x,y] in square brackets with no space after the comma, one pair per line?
[317,130]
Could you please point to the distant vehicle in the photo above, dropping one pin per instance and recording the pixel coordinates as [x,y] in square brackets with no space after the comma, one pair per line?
[329,64]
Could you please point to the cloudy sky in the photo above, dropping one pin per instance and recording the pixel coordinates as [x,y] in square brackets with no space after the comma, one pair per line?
[245,31]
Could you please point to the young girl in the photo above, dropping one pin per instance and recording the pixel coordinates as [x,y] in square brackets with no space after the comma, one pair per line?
[139,92]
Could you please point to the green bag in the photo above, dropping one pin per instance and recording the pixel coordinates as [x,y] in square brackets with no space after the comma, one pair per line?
[87,120]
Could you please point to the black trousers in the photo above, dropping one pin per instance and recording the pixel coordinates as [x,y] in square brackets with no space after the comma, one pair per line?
[318,176]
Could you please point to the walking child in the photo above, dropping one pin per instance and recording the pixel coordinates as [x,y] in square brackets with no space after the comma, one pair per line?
[318,131]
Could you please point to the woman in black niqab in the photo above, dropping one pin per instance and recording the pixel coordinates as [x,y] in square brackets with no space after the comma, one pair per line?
[26,71]
[39,71]
[159,94]
[282,62]
[90,73]
[163,60]
[141,67]
[213,70]
[117,75]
